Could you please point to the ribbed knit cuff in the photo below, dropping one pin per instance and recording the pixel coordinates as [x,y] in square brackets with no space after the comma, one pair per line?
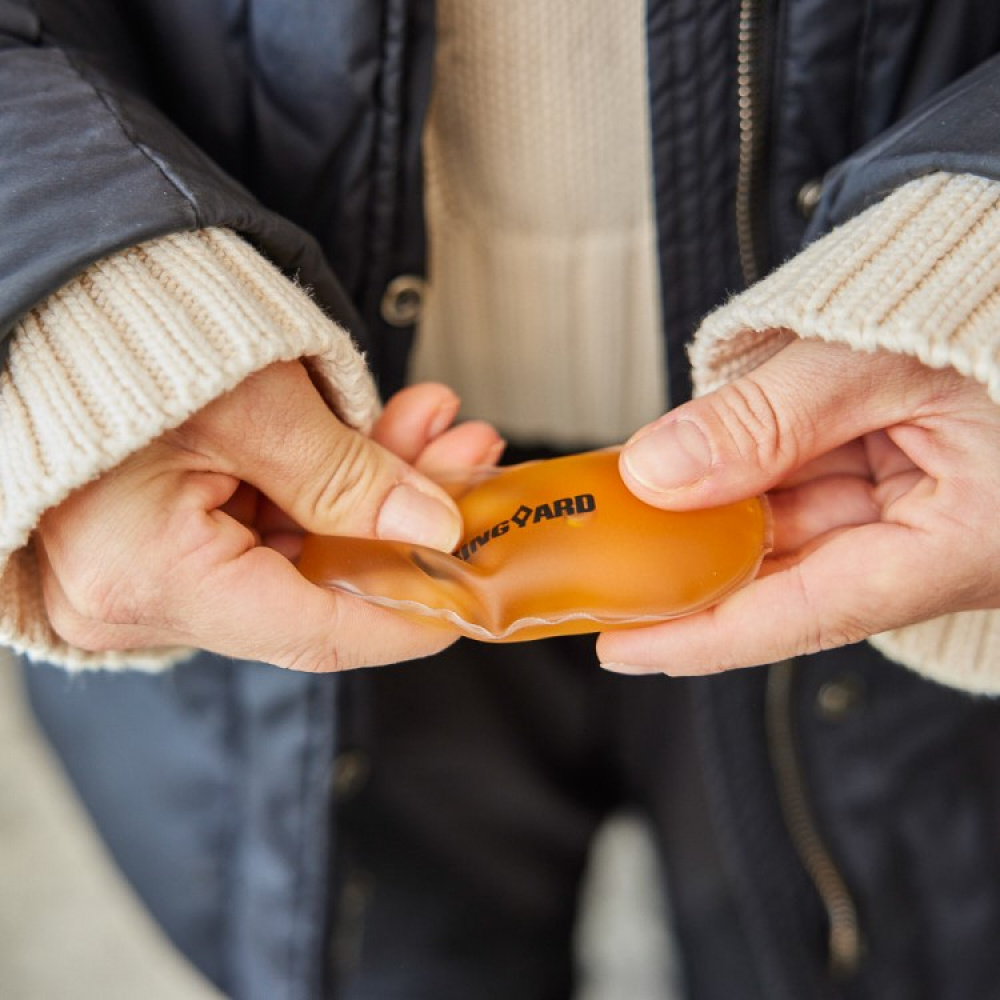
[129,349]
[918,274]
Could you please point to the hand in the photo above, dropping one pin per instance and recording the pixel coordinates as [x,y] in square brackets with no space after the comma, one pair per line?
[885,480]
[188,542]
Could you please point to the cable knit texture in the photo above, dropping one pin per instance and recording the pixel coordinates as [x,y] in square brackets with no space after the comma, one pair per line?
[918,274]
[543,305]
[127,350]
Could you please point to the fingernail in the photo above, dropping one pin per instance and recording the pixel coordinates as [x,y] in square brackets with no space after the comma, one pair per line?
[407,515]
[627,668]
[495,453]
[671,456]
[443,418]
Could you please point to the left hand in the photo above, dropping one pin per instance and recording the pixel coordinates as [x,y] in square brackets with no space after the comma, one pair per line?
[885,491]
[190,540]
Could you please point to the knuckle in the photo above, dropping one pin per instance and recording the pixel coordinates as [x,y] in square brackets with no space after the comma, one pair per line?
[109,602]
[840,632]
[319,651]
[324,660]
[351,483]
[753,426]
[103,597]
[77,630]
[822,631]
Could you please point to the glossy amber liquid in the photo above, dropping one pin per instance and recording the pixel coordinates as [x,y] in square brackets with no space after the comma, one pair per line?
[553,548]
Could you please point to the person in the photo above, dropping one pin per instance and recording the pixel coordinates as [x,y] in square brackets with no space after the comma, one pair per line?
[164,446]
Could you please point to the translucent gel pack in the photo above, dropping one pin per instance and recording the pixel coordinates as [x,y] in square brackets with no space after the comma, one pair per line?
[553,548]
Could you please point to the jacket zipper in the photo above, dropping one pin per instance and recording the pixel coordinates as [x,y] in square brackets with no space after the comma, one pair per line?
[844,944]
[750,100]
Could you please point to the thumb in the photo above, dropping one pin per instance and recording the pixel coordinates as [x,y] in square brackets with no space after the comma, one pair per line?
[746,437]
[276,432]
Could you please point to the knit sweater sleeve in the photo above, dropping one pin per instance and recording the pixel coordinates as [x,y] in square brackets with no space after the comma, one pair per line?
[918,274]
[130,348]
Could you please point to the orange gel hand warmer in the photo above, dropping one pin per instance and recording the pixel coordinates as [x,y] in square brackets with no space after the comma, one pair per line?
[554,548]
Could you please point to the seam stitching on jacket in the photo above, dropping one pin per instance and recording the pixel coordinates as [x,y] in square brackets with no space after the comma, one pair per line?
[132,139]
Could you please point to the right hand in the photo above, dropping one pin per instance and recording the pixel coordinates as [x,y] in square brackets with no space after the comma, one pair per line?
[188,541]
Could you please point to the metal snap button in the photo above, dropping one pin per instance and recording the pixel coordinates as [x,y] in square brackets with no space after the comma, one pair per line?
[808,198]
[350,773]
[840,697]
[403,300]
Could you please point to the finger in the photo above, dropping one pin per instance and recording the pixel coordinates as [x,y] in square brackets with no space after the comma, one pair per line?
[745,438]
[885,458]
[417,425]
[276,529]
[243,504]
[287,543]
[842,591]
[817,507]
[414,417]
[276,432]
[244,607]
[851,459]
[70,623]
[470,445]
[271,518]
[112,553]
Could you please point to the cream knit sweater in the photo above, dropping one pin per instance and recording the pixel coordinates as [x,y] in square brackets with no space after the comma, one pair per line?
[543,308]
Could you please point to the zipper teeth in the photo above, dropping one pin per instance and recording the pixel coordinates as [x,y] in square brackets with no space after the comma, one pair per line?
[844,942]
[747,60]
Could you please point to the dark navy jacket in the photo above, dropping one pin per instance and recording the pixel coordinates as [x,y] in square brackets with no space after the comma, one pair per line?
[298,124]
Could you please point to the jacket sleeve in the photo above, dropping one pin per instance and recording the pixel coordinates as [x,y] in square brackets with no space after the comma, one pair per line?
[89,166]
[128,299]
[957,131]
